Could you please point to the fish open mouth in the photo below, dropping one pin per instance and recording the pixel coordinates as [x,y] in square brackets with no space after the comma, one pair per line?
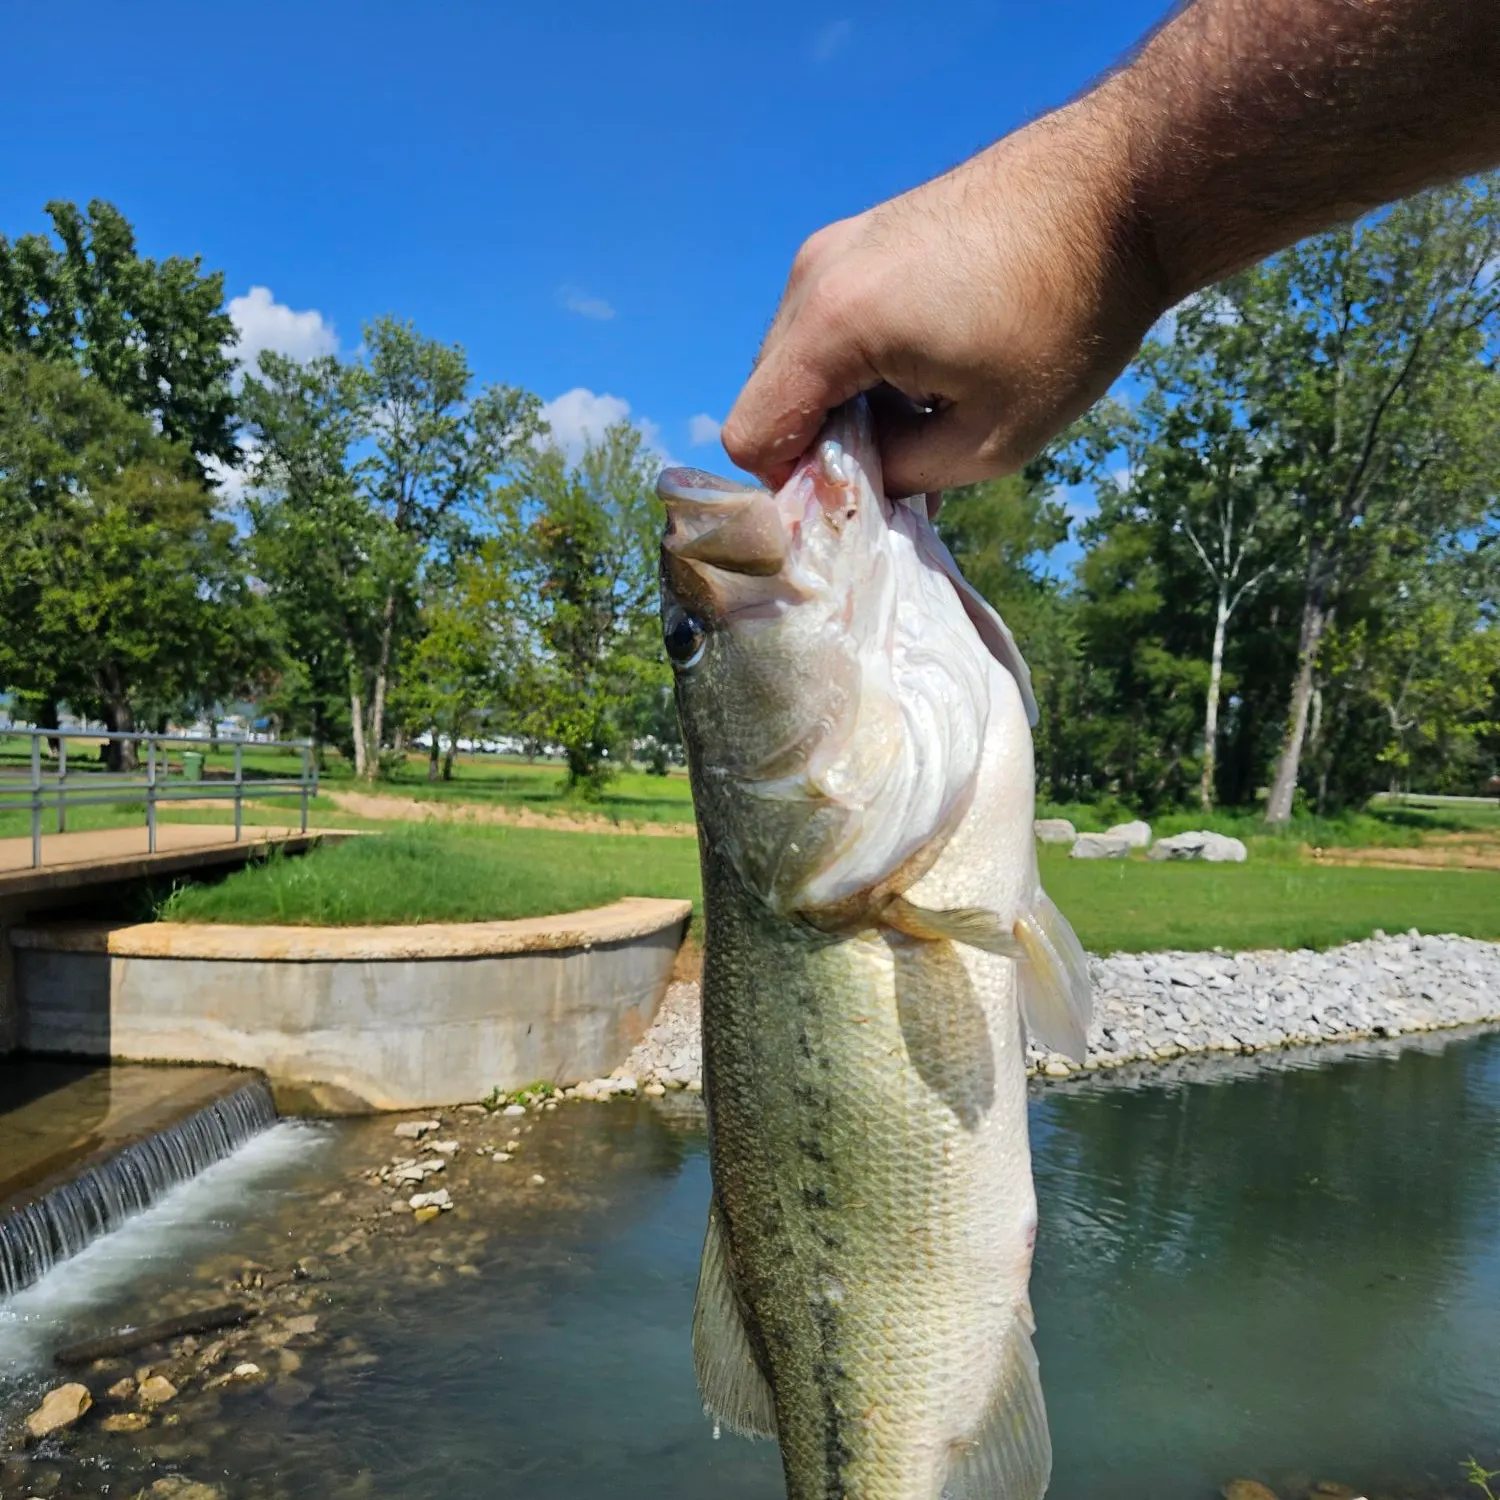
[734,527]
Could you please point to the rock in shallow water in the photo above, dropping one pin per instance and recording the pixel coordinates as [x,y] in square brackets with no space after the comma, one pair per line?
[61,1407]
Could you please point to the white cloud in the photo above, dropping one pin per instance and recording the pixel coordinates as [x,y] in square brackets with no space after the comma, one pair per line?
[265,323]
[576,300]
[702,429]
[831,39]
[581,414]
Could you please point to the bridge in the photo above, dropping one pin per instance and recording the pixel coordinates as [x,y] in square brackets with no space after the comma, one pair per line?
[48,866]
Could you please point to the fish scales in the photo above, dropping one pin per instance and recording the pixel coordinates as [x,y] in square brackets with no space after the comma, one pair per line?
[873,926]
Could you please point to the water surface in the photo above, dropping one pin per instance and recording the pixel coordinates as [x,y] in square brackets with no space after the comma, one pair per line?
[1291,1274]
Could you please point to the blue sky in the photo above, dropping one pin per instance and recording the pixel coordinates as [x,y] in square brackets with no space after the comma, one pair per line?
[597,200]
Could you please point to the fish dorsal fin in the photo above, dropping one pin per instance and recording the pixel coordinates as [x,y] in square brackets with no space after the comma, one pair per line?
[1052,970]
[735,1391]
[1010,1455]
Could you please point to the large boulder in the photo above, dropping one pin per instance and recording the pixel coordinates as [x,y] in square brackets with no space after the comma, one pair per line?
[1054,831]
[1212,848]
[1136,834]
[1100,846]
[1221,849]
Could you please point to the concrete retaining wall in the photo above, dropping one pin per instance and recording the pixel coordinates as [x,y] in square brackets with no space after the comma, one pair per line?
[350,1018]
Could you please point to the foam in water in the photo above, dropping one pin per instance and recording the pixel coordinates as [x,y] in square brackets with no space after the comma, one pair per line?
[62,1222]
[66,1303]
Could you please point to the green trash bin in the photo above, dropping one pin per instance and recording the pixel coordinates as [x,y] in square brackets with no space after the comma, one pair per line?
[192,765]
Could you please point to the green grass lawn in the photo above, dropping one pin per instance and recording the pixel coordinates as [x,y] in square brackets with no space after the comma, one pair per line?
[426,874]
[1133,906]
[446,874]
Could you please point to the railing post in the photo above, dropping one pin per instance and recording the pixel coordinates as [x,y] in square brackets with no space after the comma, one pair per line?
[36,800]
[306,777]
[151,796]
[239,787]
[62,784]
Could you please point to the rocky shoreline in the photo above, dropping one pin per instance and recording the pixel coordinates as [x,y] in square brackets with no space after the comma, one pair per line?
[1157,1006]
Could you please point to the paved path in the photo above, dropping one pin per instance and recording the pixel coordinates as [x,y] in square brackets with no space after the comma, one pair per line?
[106,854]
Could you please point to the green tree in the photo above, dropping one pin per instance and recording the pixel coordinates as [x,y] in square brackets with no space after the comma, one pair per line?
[1365,365]
[363,477]
[589,532]
[465,660]
[154,334]
[122,591]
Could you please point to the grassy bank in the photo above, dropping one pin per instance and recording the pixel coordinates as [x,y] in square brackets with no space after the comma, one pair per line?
[447,874]
[421,874]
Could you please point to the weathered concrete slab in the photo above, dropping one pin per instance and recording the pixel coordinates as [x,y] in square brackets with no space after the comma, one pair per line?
[77,865]
[373,1018]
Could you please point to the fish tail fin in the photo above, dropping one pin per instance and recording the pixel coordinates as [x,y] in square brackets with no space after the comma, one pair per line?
[735,1391]
[1052,970]
[1010,1454]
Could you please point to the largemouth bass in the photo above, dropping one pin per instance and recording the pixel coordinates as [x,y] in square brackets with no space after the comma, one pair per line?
[857,721]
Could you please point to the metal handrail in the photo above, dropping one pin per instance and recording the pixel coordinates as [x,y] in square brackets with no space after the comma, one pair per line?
[43,790]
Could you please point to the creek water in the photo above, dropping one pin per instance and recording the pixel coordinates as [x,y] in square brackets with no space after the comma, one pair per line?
[1287,1272]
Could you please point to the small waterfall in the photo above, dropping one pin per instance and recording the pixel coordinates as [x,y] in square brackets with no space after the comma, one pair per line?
[60,1223]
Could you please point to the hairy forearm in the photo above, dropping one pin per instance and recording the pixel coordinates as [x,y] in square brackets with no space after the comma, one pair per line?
[1242,125]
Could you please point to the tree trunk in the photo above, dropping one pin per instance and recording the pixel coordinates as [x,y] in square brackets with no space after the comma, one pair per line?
[119,718]
[1211,709]
[1288,763]
[433,769]
[382,674]
[448,755]
[357,724]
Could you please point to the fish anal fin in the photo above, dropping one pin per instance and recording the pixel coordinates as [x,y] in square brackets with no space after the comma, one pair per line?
[735,1391]
[1053,979]
[1010,1454]
[973,925]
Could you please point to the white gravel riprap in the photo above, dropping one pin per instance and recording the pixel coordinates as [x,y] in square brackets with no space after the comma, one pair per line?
[1155,1006]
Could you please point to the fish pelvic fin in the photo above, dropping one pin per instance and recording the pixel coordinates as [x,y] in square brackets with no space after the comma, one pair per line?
[1052,970]
[1011,1452]
[1057,995]
[735,1391]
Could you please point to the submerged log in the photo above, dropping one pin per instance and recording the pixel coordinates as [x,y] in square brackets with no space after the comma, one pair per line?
[127,1340]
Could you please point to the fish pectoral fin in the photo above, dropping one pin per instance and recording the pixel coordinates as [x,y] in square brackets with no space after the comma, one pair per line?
[1011,1452]
[1052,970]
[735,1390]
[1057,999]
[973,925]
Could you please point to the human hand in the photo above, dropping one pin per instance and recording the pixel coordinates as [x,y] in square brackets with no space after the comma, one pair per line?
[999,300]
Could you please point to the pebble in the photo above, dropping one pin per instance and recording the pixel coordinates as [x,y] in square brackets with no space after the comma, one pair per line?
[1159,1006]
[500,1156]
[426,1213]
[537,1179]
[414,1130]
[512,1110]
[125,1421]
[156,1390]
[121,1390]
[438,1200]
[61,1407]
[446,1148]
[246,1371]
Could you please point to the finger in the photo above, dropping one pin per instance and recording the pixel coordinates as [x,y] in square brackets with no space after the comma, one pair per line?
[925,452]
[808,367]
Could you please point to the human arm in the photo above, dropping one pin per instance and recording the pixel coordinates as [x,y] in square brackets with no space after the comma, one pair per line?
[1007,294]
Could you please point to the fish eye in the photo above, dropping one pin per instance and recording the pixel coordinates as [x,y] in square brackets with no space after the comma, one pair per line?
[685,638]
